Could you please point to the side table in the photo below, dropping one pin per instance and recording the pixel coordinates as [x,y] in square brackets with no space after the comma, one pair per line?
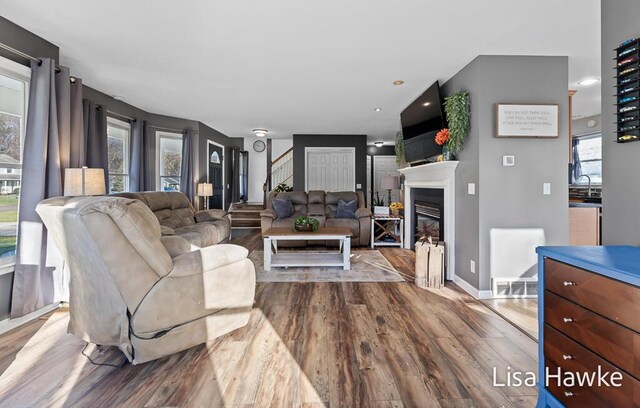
[389,226]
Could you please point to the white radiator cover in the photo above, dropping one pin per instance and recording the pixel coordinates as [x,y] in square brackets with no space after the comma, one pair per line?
[513,261]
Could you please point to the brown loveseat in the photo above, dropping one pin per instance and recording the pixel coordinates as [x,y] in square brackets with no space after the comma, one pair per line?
[178,217]
[321,206]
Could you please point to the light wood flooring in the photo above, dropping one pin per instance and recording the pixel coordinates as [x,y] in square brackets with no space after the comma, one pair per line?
[520,312]
[306,345]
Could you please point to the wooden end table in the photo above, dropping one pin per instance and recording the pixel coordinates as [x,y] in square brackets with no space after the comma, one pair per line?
[302,258]
[390,225]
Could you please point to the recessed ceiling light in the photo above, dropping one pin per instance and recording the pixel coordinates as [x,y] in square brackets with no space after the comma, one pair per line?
[260,132]
[118,97]
[398,82]
[377,109]
[426,104]
[378,144]
[588,81]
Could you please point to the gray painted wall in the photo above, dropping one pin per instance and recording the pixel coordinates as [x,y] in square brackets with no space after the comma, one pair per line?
[509,197]
[620,186]
[302,141]
[22,40]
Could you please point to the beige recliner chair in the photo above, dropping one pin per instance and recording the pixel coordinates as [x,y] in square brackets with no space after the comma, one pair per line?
[151,296]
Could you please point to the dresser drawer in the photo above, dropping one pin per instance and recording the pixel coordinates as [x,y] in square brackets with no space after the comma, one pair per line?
[557,347]
[613,342]
[613,299]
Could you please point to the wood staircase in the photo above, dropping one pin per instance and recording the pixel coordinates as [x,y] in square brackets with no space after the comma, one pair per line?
[281,172]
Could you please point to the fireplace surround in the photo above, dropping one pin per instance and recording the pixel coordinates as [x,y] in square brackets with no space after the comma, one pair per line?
[439,175]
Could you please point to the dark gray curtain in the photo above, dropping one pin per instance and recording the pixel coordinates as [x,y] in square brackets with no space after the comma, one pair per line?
[139,156]
[51,134]
[187,184]
[95,138]
[235,175]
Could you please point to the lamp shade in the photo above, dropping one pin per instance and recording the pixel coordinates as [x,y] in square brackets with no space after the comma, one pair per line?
[205,189]
[84,182]
[389,183]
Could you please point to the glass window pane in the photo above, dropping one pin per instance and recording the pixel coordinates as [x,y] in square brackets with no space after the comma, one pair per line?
[116,150]
[12,116]
[118,154]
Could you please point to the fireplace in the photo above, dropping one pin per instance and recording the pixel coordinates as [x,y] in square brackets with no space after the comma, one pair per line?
[429,214]
[427,208]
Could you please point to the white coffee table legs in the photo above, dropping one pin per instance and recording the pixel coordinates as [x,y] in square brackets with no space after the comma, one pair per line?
[346,254]
[267,254]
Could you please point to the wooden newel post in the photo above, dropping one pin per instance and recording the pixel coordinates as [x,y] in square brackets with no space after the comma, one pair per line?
[430,265]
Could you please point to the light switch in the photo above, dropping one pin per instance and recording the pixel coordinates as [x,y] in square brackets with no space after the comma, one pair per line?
[546,188]
[358,185]
[472,266]
[471,188]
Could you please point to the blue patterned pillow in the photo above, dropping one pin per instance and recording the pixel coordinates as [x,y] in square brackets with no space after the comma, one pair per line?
[347,209]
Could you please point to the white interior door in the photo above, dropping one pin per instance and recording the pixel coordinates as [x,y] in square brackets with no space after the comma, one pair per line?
[385,166]
[330,169]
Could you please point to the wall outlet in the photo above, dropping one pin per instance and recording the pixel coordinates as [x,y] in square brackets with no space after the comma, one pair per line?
[472,266]
[358,185]
[471,188]
[546,188]
[509,160]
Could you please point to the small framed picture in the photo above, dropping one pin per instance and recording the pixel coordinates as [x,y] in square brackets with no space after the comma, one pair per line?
[519,120]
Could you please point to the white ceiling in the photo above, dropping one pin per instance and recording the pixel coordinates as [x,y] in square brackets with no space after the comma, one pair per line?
[304,66]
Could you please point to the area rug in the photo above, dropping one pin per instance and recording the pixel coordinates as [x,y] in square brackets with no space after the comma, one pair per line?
[366,266]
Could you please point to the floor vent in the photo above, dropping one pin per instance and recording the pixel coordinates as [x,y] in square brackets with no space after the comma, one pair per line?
[515,288]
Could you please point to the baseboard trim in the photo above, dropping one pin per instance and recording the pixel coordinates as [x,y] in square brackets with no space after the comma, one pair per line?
[9,324]
[470,289]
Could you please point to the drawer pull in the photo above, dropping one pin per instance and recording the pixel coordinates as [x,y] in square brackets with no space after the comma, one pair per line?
[568,394]
[567,357]
[567,319]
[569,283]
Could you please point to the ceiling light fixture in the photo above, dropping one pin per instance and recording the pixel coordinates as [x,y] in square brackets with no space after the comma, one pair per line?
[118,97]
[426,104]
[398,82]
[260,132]
[588,81]
[377,109]
[378,144]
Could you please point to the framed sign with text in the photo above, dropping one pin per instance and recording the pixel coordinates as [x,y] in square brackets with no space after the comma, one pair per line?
[516,120]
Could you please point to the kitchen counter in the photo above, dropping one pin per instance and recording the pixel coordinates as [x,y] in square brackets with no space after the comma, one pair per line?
[584,205]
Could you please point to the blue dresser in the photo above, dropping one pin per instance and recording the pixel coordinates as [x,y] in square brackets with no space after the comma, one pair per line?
[589,325]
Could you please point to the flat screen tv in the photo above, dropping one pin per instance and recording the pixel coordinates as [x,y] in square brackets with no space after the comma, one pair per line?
[420,121]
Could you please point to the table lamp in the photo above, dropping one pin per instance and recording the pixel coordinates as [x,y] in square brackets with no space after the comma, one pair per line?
[84,182]
[205,190]
[389,183]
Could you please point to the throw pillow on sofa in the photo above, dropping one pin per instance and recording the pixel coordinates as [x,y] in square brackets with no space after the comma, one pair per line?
[283,207]
[347,209]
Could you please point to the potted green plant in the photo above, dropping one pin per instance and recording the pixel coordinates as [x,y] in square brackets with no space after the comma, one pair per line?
[282,188]
[306,224]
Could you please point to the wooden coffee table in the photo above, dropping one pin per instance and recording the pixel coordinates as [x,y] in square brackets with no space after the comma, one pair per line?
[302,258]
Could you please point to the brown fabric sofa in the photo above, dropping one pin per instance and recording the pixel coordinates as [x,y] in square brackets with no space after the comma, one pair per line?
[148,295]
[321,206]
[178,217]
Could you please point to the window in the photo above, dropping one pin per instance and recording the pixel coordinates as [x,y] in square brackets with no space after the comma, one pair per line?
[169,159]
[14,91]
[118,133]
[587,152]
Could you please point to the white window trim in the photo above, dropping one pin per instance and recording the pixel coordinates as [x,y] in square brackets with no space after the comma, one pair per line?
[22,73]
[127,145]
[159,135]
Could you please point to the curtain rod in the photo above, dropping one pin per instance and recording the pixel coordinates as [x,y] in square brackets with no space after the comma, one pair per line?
[29,57]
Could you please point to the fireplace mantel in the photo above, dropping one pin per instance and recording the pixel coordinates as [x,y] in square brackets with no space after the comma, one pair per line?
[440,175]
